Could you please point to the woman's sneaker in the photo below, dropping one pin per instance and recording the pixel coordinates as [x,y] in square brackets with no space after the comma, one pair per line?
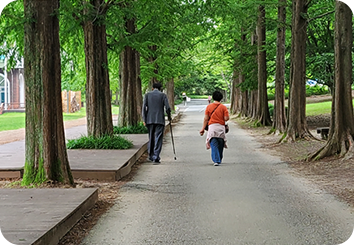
[216,164]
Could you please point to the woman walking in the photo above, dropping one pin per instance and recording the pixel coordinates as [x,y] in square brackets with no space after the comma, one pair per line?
[216,114]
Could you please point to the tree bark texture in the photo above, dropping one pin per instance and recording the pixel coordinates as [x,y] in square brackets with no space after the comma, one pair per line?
[170,92]
[98,101]
[253,92]
[252,107]
[279,116]
[262,115]
[233,102]
[116,102]
[46,156]
[340,140]
[244,101]
[152,60]
[297,125]
[130,83]
[139,92]
[243,95]
[235,106]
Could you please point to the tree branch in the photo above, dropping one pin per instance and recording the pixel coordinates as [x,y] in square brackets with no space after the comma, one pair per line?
[308,4]
[320,16]
[106,6]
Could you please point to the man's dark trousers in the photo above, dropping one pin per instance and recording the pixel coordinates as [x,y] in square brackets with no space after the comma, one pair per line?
[156,132]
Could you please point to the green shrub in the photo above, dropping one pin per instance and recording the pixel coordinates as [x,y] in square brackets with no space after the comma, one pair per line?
[310,90]
[316,90]
[286,93]
[198,96]
[178,101]
[271,93]
[271,96]
[104,142]
[138,129]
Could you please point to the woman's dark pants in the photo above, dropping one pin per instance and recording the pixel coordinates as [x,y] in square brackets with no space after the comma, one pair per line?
[217,149]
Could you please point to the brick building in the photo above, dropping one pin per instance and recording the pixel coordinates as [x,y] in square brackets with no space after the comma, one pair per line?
[12,91]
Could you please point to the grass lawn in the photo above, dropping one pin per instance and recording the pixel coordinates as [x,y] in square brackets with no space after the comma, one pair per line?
[115,110]
[318,108]
[16,120]
[12,120]
[74,116]
[314,109]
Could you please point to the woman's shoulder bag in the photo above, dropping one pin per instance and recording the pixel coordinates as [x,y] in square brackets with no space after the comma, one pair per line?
[207,126]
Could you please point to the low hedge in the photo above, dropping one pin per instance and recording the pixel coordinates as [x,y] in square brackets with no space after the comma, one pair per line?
[138,129]
[105,142]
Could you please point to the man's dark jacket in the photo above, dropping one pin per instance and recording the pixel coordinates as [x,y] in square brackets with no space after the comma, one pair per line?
[153,107]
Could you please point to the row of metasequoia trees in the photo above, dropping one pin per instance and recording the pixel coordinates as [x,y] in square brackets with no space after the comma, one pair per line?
[46,156]
[294,126]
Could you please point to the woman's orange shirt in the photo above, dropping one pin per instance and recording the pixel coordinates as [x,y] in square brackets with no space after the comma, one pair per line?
[218,114]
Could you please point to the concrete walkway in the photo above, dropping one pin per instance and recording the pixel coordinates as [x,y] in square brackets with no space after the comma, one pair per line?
[86,164]
[43,216]
[252,198]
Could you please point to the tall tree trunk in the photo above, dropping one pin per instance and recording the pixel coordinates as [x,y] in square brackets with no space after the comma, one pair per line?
[46,155]
[129,81]
[170,92]
[252,91]
[243,95]
[279,116]
[262,115]
[152,60]
[297,125]
[341,134]
[244,101]
[98,103]
[116,102]
[235,106]
[138,90]
[253,101]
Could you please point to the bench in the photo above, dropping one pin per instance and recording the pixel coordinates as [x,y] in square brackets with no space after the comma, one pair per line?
[324,132]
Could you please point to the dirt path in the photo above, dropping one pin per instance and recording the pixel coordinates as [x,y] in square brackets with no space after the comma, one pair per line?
[19,134]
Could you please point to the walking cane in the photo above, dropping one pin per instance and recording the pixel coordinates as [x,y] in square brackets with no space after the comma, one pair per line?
[173,143]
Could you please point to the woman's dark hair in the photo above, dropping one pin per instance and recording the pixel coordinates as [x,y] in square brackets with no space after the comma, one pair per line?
[217,96]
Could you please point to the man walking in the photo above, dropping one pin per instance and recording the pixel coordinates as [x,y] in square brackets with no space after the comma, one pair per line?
[154,119]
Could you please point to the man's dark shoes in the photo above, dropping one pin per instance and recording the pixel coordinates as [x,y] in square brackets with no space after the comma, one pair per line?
[156,162]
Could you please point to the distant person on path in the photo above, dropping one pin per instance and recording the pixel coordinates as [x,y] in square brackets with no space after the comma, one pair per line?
[154,119]
[184,97]
[216,114]
[209,99]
